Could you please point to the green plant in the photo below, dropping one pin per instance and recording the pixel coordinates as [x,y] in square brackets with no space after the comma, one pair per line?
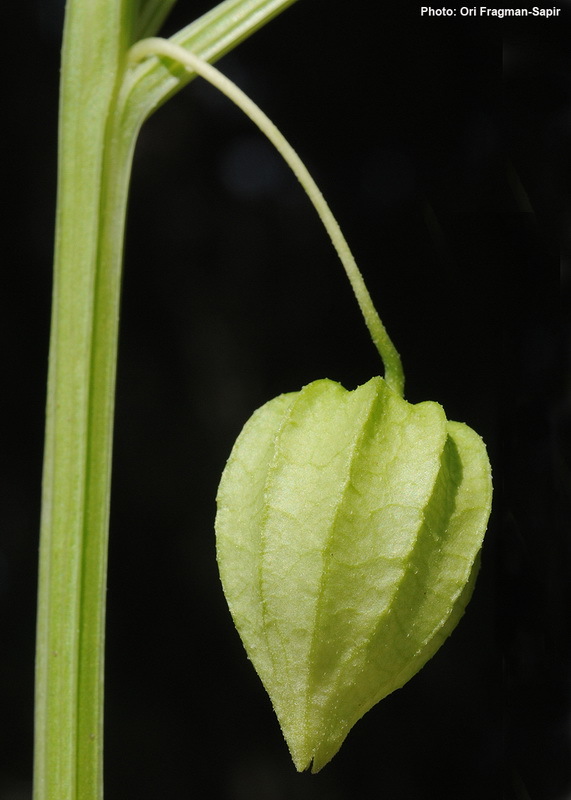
[349,523]
[103,102]
[307,476]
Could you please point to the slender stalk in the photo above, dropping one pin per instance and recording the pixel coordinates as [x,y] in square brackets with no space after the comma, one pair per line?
[96,142]
[161,47]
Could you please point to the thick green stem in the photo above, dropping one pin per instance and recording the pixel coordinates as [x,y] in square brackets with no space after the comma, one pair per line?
[96,142]
[73,546]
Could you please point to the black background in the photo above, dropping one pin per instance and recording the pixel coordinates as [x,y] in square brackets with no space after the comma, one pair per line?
[443,146]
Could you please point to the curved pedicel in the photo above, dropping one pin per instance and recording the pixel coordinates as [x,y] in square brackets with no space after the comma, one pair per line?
[349,523]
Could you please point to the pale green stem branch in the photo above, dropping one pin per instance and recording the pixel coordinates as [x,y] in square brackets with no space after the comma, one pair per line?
[161,47]
[152,14]
[96,143]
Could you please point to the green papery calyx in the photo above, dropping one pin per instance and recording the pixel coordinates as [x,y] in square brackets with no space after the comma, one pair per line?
[349,526]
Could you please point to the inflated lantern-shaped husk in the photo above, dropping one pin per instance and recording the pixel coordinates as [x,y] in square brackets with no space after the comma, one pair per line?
[349,526]
[349,523]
